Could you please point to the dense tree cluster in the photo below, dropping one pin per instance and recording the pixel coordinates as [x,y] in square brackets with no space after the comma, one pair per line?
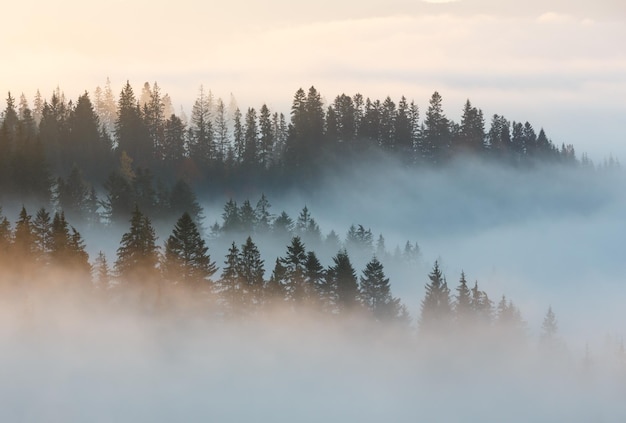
[99,154]
[181,275]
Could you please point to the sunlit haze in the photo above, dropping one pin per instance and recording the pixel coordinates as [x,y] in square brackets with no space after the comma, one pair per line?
[334,211]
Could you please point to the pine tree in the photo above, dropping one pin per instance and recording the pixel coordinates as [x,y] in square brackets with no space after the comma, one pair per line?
[102,277]
[250,157]
[314,276]
[436,309]
[23,236]
[230,280]
[137,256]
[251,272]
[283,226]
[344,280]
[549,327]
[436,138]
[222,142]
[247,218]
[173,147]
[130,131]
[472,130]
[463,303]
[294,263]
[42,230]
[186,258]
[5,239]
[266,137]
[231,217]
[375,292]
[262,215]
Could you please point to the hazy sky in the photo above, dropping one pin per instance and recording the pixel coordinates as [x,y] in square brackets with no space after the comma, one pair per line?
[558,63]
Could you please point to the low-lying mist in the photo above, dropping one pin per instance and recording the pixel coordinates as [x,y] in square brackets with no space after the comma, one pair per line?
[544,237]
[85,362]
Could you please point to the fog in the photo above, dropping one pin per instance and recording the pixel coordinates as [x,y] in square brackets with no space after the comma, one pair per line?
[542,237]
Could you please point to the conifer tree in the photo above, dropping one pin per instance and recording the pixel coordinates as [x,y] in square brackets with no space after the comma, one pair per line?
[549,327]
[102,276]
[463,302]
[314,276]
[436,132]
[5,239]
[130,131]
[344,280]
[436,309]
[283,226]
[137,256]
[42,230]
[262,215]
[294,263]
[23,236]
[230,280]
[375,292]
[231,217]
[251,272]
[186,258]
[247,218]
[266,137]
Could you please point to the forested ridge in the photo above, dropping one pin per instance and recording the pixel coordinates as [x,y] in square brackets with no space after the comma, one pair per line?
[102,153]
[44,254]
[131,162]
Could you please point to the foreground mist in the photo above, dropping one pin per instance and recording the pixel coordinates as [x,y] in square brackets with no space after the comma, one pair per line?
[78,360]
[547,237]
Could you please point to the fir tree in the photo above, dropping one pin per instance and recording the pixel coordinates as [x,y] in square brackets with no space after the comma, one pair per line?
[251,273]
[294,263]
[436,309]
[375,292]
[230,280]
[186,258]
[463,302]
[344,280]
[137,256]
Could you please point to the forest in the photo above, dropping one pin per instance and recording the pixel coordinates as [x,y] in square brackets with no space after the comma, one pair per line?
[135,236]
[100,154]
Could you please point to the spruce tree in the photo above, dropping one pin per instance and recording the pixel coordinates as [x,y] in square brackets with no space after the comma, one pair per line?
[463,302]
[375,292]
[251,272]
[435,313]
[344,279]
[294,263]
[186,258]
[137,256]
[230,286]
[549,327]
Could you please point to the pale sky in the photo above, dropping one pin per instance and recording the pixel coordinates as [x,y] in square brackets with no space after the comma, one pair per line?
[559,64]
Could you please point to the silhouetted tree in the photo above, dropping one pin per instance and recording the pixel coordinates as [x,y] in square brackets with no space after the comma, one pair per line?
[186,258]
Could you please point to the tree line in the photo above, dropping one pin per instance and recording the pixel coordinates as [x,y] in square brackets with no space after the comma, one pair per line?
[181,276]
[106,141]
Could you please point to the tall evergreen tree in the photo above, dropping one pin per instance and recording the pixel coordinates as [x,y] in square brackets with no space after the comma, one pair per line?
[375,292]
[463,303]
[130,131]
[230,281]
[137,256]
[294,263]
[436,134]
[251,272]
[436,308]
[344,281]
[186,258]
